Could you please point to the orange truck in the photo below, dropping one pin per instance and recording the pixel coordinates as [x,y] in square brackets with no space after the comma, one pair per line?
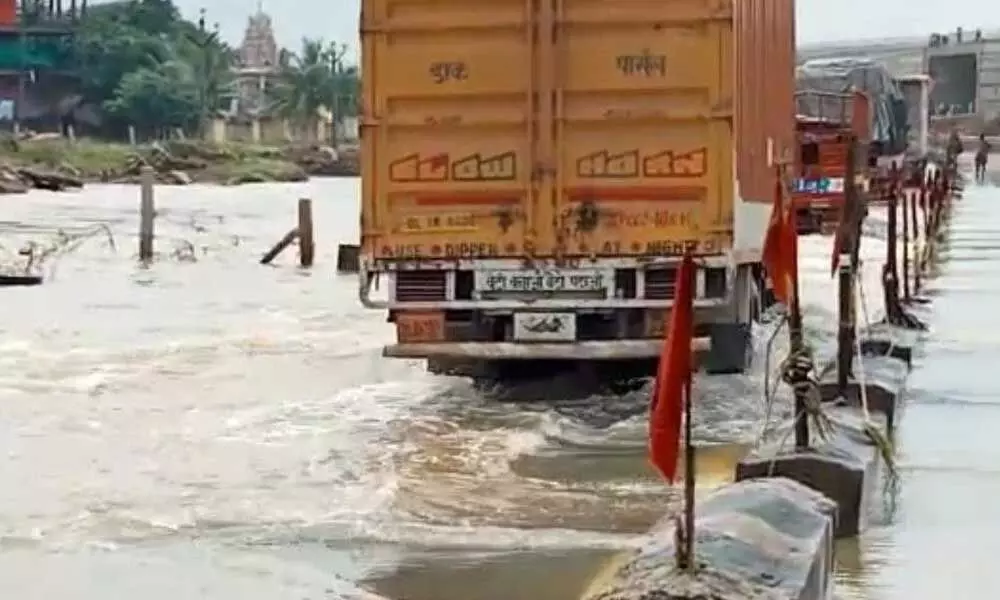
[827,123]
[533,170]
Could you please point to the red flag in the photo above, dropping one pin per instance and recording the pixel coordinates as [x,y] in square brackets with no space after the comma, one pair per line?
[673,376]
[781,247]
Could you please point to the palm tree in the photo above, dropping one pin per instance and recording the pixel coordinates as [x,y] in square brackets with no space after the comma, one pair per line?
[346,85]
[315,81]
[212,60]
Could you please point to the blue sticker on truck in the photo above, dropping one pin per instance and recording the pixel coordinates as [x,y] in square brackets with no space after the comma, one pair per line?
[822,185]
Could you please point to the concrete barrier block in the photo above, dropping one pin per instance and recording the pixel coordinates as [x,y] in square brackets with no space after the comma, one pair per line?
[885,340]
[764,539]
[881,398]
[844,467]
[884,379]
[885,346]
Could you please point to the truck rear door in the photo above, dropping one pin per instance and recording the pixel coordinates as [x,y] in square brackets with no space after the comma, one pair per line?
[448,130]
[642,127]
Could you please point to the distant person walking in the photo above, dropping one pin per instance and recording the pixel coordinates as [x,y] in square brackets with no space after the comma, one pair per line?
[955,145]
[982,155]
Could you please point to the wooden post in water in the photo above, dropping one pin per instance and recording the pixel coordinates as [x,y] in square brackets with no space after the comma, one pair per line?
[845,331]
[914,226]
[796,338]
[936,202]
[906,247]
[797,343]
[688,563]
[847,250]
[278,248]
[147,214]
[890,273]
[925,208]
[307,246]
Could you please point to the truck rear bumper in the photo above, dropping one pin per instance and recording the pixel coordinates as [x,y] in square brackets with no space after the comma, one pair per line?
[594,350]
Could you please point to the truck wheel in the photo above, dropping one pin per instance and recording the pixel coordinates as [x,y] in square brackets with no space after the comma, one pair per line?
[456,367]
[731,348]
[764,295]
[767,298]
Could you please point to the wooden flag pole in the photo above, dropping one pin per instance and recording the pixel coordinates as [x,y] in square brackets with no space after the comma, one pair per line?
[686,558]
[796,340]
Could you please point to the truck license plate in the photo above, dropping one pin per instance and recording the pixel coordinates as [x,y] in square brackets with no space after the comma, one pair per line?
[544,327]
[419,327]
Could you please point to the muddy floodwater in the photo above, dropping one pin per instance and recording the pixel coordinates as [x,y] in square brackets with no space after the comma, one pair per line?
[213,428]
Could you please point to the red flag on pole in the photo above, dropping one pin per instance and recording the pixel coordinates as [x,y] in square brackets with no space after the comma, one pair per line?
[673,376]
[781,246]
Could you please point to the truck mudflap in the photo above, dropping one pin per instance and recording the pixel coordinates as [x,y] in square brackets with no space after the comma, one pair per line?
[588,350]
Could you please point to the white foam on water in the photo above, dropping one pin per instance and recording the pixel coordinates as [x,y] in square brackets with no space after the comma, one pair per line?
[202,399]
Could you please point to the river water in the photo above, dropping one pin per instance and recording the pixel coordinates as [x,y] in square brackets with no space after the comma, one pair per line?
[216,428]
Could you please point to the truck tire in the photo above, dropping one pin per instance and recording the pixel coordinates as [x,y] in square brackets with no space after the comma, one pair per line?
[731,348]
[456,367]
[767,298]
[763,294]
[766,295]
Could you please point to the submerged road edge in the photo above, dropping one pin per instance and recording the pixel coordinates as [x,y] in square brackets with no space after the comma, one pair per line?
[769,535]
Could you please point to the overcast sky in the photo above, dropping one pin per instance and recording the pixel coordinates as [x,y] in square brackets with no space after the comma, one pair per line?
[818,20]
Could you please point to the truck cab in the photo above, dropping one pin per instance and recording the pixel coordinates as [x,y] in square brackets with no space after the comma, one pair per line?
[826,124]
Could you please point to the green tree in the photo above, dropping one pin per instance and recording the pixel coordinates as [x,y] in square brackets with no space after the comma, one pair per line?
[157,100]
[212,63]
[128,48]
[108,49]
[346,85]
[149,39]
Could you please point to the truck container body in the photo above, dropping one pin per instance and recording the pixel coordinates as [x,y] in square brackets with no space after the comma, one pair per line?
[886,103]
[533,170]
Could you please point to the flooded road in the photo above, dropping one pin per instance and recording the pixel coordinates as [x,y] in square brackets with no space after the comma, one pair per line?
[944,528]
[217,428]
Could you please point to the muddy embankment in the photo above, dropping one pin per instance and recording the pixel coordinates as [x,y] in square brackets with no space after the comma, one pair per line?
[55,163]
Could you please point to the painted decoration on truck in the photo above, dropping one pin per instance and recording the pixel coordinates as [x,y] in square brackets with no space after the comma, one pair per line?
[441,167]
[659,164]
[476,167]
[414,168]
[605,165]
[670,163]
